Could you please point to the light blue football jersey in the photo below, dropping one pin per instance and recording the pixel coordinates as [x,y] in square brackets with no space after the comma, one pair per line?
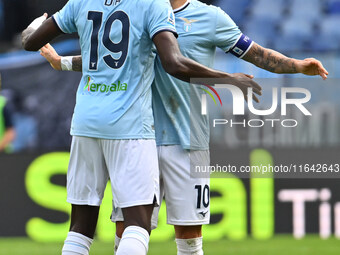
[201,28]
[114,94]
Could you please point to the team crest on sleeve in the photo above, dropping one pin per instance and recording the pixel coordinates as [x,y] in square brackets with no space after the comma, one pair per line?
[171,18]
[188,24]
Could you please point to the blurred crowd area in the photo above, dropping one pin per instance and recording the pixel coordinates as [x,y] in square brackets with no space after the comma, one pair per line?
[288,25]
[310,24]
[42,99]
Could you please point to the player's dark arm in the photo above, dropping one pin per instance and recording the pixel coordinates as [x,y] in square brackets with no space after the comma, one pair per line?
[276,62]
[179,66]
[35,37]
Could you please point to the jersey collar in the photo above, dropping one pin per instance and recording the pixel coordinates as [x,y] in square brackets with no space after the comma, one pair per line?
[182,7]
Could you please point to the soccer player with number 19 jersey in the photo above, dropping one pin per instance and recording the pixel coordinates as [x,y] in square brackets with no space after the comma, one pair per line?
[112,125]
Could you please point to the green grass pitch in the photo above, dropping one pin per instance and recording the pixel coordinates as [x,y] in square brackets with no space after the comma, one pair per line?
[285,245]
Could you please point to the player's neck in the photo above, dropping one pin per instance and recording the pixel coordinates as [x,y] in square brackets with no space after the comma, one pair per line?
[177,3]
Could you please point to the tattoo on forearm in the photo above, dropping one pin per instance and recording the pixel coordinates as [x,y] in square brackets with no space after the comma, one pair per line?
[77,64]
[270,60]
[26,34]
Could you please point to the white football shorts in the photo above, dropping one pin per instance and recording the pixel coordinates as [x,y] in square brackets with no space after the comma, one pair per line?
[187,198]
[131,165]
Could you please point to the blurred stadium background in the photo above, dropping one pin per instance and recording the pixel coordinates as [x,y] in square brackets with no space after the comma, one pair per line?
[251,215]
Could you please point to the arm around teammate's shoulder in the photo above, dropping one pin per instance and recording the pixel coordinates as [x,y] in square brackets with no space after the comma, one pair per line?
[179,66]
[183,68]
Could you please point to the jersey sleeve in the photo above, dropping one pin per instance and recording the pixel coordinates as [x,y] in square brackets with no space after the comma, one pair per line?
[161,18]
[227,32]
[229,37]
[65,18]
